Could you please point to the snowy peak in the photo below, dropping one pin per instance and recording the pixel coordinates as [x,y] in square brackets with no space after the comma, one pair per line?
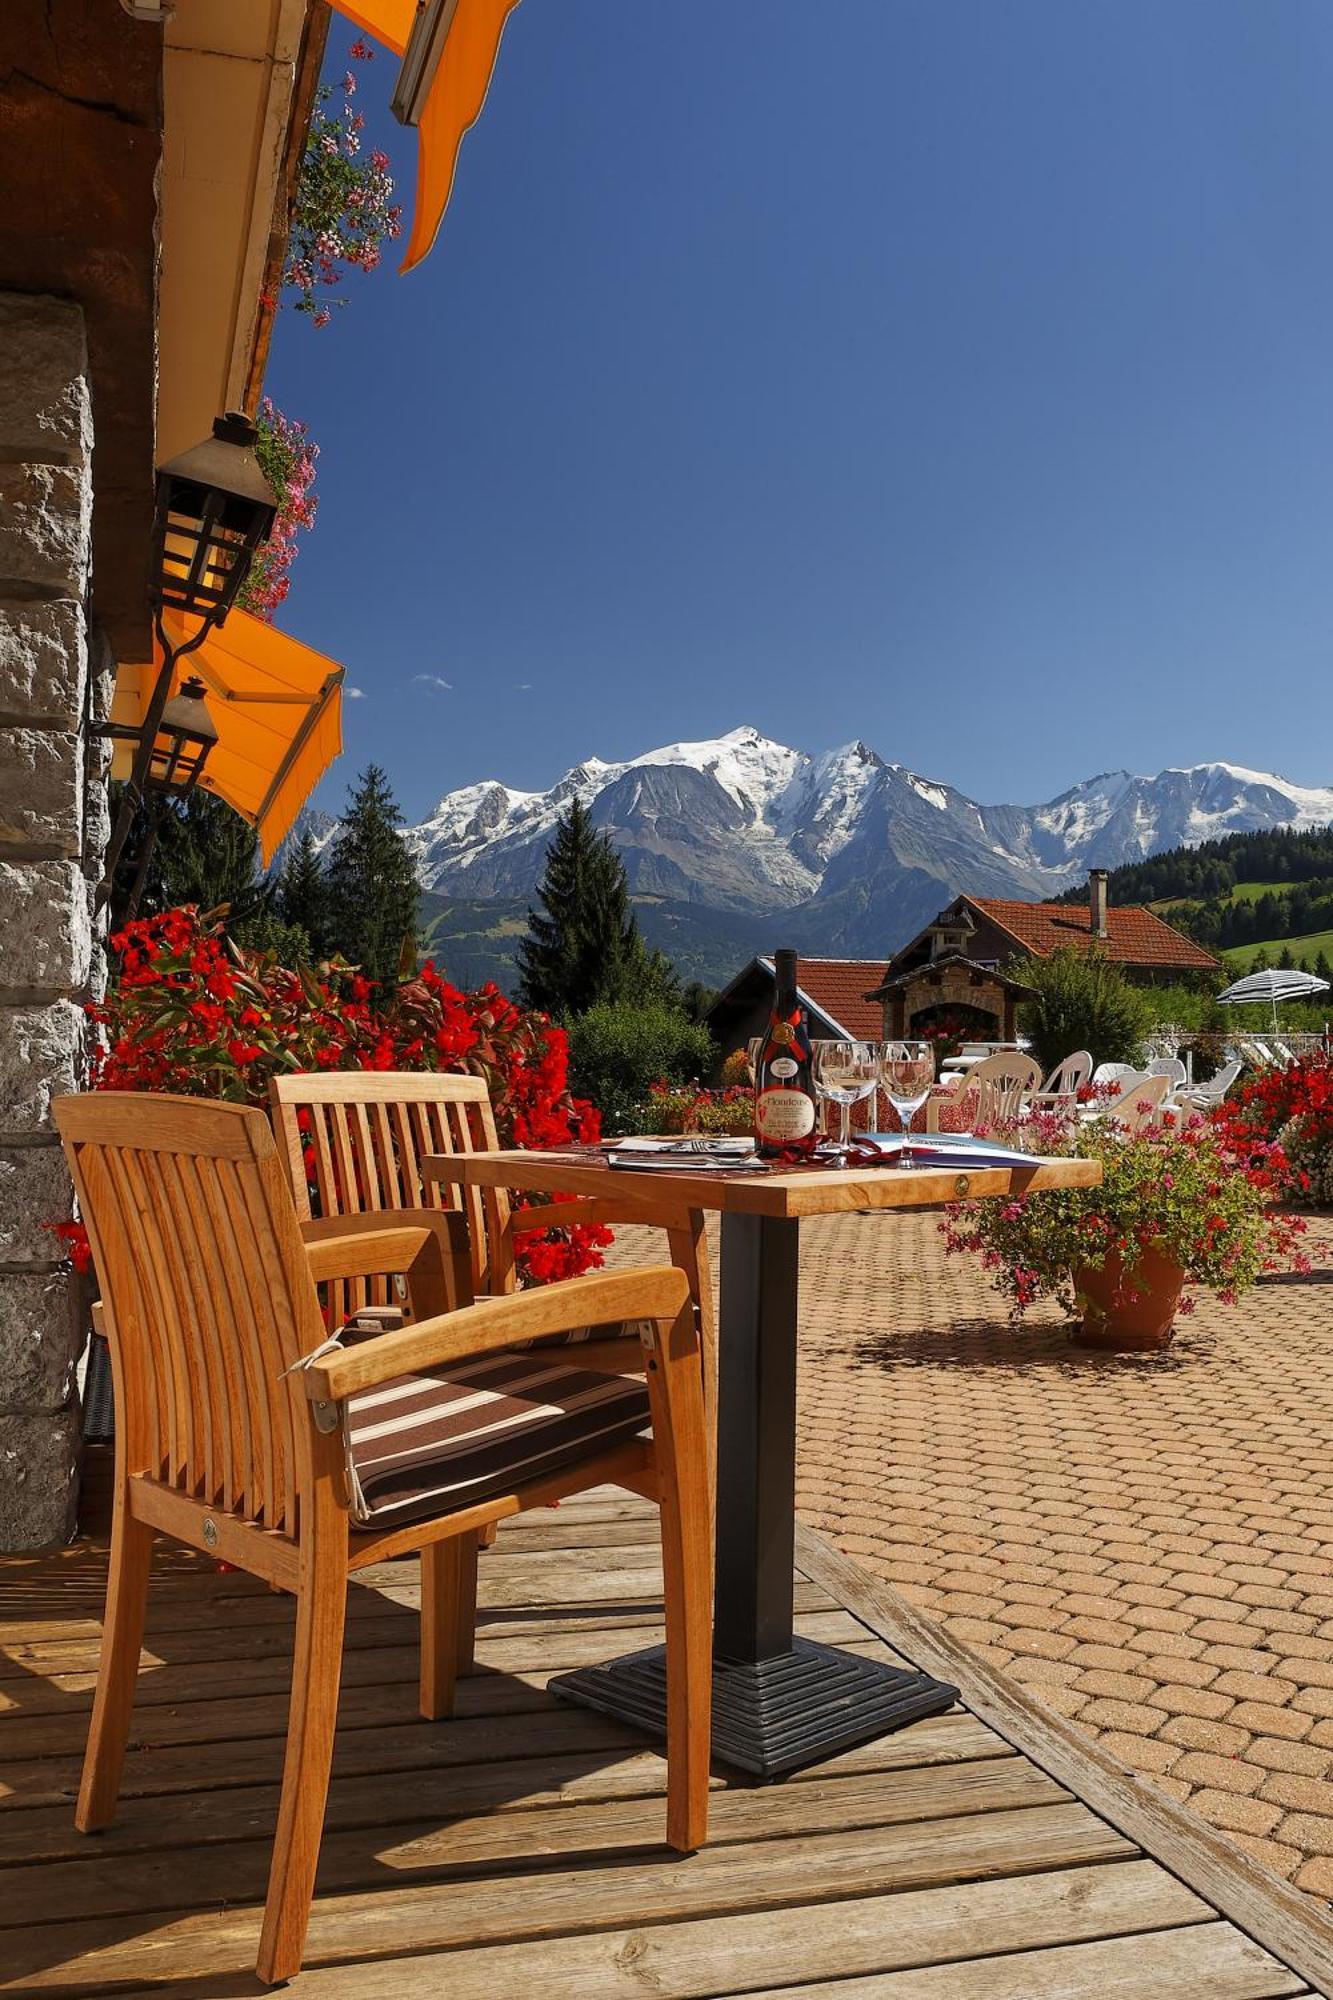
[859,850]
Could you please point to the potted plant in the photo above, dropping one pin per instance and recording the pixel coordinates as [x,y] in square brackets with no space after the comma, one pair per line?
[1176,1209]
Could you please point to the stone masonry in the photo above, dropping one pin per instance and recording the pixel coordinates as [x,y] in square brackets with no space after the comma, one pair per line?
[54,680]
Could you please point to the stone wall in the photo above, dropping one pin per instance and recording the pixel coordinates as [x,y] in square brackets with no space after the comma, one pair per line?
[54,680]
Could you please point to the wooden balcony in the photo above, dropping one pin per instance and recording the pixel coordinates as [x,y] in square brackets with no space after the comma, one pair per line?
[987,1854]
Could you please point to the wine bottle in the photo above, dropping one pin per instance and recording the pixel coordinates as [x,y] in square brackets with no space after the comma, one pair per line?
[784,1088]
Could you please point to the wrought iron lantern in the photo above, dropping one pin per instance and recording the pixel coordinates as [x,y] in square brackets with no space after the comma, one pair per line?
[184,738]
[214,508]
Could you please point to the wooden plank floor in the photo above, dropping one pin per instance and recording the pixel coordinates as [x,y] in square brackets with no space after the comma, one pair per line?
[518,1848]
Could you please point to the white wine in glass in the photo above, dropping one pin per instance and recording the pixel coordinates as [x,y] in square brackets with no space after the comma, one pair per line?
[907,1072]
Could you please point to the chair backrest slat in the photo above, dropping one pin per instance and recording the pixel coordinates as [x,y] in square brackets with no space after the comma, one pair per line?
[207,1291]
[355,1140]
[1002,1083]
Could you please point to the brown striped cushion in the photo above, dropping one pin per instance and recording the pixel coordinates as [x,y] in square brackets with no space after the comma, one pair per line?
[426,1444]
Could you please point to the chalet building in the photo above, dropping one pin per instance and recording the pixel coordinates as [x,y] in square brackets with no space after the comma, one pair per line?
[834,993]
[953,966]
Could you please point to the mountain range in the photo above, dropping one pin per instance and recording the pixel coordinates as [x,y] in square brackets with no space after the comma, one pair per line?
[852,852]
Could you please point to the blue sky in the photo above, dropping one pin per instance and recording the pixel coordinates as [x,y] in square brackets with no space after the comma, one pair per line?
[954,375]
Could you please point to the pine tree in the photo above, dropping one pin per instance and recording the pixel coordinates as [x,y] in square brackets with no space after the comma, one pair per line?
[303,893]
[583,947]
[1322,968]
[372,886]
[204,853]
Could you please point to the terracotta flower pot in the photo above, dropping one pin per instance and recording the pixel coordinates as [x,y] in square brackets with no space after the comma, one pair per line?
[1129,1312]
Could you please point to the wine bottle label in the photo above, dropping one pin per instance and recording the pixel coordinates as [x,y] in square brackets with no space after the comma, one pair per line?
[784,1066]
[784,1115]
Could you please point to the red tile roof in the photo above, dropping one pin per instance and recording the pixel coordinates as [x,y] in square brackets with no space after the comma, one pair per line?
[838,987]
[1134,935]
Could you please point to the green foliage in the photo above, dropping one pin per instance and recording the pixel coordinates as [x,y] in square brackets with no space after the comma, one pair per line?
[266,931]
[1215,867]
[1181,1192]
[583,947]
[302,896]
[372,886]
[1082,1001]
[617,1052]
[205,854]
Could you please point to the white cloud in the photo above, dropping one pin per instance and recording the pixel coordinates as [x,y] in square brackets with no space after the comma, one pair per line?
[522,687]
[434,681]
[355,694]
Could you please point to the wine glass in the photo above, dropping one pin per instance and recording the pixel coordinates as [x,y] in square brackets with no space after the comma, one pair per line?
[754,1048]
[907,1071]
[845,1073]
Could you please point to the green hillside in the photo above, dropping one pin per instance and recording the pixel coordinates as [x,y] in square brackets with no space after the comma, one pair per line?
[1308,947]
[474,940]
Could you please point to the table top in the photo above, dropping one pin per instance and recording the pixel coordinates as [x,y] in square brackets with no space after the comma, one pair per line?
[784,1192]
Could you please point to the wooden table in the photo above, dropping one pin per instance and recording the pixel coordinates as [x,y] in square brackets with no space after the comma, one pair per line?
[778,1702]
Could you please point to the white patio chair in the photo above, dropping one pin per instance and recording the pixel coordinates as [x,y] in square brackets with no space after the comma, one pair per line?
[1119,1073]
[1003,1085]
[1169,1066]
[1207,1096]
[1139,1106]
[1069,1076]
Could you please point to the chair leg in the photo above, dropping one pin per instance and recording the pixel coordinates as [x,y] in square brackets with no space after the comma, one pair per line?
[122,1638]
[321,1612]
[448,1620]
[675,1393]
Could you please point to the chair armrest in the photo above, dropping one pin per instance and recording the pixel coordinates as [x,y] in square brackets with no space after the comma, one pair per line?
[655,1292]
[429,1246]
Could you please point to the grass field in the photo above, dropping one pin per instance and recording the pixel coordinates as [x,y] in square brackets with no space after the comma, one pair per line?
[1244,892]
[1241,956]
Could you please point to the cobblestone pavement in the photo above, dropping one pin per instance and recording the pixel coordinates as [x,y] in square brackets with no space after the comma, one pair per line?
[1145,1542]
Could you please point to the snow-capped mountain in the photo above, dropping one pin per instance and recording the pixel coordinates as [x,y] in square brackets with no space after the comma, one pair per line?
[855,850]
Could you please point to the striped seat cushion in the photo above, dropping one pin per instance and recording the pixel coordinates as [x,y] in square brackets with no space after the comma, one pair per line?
[427,1444]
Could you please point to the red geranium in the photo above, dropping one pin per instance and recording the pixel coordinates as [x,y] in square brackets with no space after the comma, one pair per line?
[190,1012]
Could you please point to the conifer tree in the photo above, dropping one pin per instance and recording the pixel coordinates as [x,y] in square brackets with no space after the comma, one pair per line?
[583,947]
[303,893]
[372,886]
[203,853]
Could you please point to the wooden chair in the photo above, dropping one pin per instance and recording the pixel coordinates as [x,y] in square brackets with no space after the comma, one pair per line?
[1003,1084]
[245,1433]
[366,1133]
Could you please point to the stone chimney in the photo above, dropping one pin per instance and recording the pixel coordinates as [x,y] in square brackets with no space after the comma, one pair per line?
[1097,901]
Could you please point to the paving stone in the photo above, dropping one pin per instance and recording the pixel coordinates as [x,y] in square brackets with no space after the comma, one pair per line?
[1226,1774]
[1225,1809]
[1316,1876]
[1256,1687]
[1311,1832]
[1274,1854]
[1263,1719]
[1272,1754]
[1169,1533]
[1198,1732]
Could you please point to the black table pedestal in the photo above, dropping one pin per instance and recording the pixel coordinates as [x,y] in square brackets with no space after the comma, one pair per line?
[779,1702]
[769,1716]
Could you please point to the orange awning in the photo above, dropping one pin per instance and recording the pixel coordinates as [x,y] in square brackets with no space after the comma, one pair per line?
[277,706]
[456,97]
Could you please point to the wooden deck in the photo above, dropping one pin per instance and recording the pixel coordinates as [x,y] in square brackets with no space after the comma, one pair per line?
[988,1854]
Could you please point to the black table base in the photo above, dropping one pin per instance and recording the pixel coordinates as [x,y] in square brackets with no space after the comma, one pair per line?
[778,1701]
[769,1716]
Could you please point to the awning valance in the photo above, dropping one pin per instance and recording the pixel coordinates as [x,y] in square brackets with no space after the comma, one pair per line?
[277,707]
[454,103]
